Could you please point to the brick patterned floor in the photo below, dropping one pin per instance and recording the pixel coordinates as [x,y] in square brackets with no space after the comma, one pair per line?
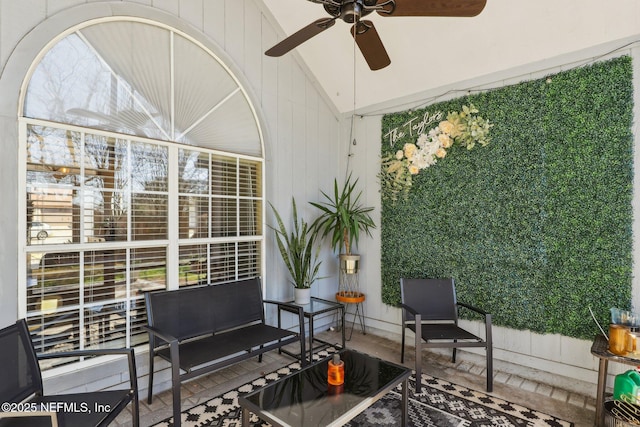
[571,406]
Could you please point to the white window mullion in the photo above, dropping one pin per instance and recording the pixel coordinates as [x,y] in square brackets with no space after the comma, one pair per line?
[81,191]
[127,303]
[128,191]
[22,221]
[173,226]
[81,313]
[210,213]
[173,83]
[238,222]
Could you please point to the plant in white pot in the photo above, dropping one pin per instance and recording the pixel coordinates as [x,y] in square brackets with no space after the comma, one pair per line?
[344,218]
[299,253]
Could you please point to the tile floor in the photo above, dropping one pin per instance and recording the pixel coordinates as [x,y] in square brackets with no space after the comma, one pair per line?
[564,404]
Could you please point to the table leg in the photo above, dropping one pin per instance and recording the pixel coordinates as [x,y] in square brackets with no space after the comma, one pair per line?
[405,402]
[602,383]
[245,417]
[310,339]
[342,324]
[279,325]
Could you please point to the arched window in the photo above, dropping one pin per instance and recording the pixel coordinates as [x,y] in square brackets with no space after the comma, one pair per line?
[144,171]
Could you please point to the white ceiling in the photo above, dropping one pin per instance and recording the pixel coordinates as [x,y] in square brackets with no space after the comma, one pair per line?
[428,53]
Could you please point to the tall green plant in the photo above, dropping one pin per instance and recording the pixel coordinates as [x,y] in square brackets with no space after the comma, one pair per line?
[297,249]
[343,217]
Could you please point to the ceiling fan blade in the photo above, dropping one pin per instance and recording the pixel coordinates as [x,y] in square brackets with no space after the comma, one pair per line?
[370,45]
[462,8]
[301,36]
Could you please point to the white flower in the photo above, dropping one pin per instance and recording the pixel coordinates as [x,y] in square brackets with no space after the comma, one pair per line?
[422,140]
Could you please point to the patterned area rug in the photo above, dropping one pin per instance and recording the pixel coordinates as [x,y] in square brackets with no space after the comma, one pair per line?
[440,404]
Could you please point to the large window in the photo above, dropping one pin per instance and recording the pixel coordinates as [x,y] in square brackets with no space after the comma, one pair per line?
[144,171]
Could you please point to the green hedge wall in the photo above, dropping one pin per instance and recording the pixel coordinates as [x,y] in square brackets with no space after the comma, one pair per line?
[536,226]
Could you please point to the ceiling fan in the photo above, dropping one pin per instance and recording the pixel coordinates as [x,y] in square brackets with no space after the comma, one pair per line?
[364,32]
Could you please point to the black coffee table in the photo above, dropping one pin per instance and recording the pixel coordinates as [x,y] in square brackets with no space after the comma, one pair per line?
[305,398]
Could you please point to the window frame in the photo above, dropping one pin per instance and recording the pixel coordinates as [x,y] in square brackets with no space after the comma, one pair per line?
[173,242]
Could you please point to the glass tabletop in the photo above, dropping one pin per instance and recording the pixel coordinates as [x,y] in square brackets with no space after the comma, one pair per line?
[305,398]
[319,305]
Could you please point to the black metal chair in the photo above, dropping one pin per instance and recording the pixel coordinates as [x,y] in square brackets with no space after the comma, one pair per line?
[21,384]
[430,310]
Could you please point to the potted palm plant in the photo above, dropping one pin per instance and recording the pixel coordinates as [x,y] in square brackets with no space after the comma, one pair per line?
[299,253]
[344,218]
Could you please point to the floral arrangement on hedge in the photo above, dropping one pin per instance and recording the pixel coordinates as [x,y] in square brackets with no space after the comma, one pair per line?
[465,128]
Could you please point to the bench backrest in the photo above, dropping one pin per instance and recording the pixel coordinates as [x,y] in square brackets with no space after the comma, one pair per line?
[238,303]
[194,311]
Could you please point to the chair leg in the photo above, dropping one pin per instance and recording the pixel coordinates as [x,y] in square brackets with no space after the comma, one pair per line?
[135,412]
[489,349]
[453,358]
[489,368]
[402,348]
[418,345]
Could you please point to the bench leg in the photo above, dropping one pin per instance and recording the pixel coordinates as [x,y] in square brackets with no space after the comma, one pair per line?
[177,420]
[150,390]
[175,382]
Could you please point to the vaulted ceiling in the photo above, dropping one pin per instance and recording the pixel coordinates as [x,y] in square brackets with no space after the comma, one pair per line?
[443,53]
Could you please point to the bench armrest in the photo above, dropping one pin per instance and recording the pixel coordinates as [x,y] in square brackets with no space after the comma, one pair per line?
[131,358]
[160,334]
[286,306]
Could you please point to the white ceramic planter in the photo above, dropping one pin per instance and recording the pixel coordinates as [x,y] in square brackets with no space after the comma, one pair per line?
[302,296]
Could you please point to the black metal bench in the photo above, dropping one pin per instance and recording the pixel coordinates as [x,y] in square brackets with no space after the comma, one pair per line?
[204,328]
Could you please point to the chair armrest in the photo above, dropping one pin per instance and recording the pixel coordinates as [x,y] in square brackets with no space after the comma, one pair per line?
[487,318]
[472,308]
[131,358]
[34,418]
[410,309]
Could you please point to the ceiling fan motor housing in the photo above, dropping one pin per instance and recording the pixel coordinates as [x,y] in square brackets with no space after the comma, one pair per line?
[351,11]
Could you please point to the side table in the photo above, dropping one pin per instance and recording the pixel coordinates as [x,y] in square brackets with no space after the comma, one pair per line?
[600,349]
[357,298]
[315,307]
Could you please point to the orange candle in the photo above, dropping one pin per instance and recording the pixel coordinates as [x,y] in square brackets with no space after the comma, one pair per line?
[335,374]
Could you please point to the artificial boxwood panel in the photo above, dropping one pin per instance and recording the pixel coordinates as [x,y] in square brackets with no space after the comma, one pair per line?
[536,226]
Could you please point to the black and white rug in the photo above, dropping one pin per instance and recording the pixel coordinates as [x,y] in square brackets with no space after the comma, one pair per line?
[440,404]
